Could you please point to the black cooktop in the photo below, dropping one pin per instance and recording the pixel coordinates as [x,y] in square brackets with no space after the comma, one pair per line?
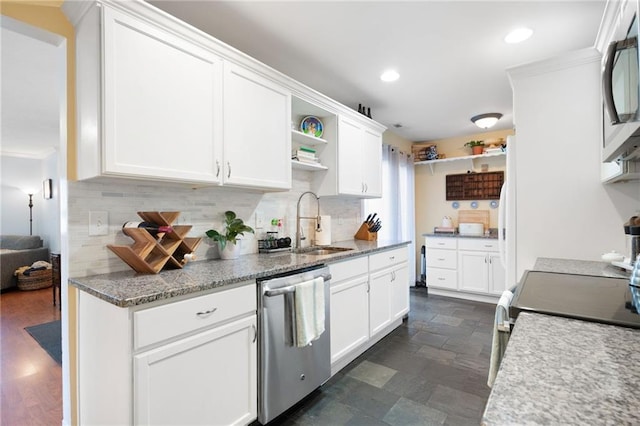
[587,297]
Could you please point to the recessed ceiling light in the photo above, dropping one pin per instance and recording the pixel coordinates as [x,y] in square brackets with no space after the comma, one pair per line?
[518,35]
[389,75]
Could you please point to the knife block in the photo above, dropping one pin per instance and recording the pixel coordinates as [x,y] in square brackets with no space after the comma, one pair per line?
[364,234]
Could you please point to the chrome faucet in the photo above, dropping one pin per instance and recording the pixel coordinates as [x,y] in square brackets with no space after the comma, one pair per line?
[299,236]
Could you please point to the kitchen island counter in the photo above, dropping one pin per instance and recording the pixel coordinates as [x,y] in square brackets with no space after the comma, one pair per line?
[128,288]
[566,371]
[580,267]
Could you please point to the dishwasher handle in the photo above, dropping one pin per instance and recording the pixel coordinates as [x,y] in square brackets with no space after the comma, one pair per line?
[290,288]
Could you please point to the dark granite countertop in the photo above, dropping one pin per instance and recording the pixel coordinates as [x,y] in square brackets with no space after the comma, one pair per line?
[561,371]
[128,288]
[491,236]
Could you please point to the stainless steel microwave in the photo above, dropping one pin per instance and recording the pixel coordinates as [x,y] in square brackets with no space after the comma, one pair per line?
[621,90]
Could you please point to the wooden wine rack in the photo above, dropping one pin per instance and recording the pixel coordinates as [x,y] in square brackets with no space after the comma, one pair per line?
[149,254]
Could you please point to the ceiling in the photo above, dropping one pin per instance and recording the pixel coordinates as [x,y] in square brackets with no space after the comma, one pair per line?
[450,54]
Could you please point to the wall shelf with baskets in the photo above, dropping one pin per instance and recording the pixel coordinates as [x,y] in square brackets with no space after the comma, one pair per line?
[468,158]
[150,254]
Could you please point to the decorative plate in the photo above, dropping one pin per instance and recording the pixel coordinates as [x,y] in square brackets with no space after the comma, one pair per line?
[474,204]
[455,204]
[312,126]
[493,204]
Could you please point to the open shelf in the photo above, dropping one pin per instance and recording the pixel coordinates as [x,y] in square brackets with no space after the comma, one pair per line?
[305,139]
[468,158]
[310,167]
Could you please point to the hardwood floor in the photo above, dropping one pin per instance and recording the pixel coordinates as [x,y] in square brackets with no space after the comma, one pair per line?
[30,380]
[431,370]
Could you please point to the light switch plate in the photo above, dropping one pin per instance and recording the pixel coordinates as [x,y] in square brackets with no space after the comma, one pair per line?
[98,223]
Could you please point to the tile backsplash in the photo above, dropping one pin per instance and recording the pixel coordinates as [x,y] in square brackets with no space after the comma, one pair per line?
[201,207]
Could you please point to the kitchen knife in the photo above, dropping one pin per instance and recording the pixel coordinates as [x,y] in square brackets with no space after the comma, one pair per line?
[368,218]
[377,227]
[371,222]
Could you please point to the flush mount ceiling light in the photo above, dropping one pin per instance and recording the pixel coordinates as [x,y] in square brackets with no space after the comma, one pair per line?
[389,75]
[518,35]
[485,121]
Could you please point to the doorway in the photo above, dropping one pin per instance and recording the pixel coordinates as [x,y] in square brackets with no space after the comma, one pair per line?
[34,150]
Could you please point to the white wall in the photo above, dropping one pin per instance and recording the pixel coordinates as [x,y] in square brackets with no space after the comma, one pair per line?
[202,208]
[20,175]
[563,210]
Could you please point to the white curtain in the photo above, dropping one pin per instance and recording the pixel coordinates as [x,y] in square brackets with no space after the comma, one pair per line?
[396,207]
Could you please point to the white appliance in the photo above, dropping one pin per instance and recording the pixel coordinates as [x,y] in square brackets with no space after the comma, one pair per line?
[471,229]
[507,218]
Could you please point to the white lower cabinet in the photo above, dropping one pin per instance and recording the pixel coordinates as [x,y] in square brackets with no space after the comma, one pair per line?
[191,361]
[442,262]
[349,316]
[379,301]
[400,291]
[369,297]
[209,378]
[466,265]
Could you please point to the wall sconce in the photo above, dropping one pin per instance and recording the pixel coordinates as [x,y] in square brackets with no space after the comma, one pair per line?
[47,189]
[485,121]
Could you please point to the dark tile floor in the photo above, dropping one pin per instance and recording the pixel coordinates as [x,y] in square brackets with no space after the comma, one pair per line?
[432,370]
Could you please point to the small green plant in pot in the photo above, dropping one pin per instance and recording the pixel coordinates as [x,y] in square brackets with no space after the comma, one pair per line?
[233,228]
[476,146]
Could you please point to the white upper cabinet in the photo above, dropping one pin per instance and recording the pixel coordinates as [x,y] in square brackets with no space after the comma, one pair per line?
[257,130]
[158,99]
[156,112]
[359,159]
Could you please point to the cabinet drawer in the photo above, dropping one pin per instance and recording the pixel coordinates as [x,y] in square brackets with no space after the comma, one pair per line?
[341,271]
[437,258]
[480,244]
[441,243]
[388,258]
[442,278]
[164,322]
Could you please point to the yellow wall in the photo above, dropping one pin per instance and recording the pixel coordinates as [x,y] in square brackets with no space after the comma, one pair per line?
[47,15]
[431,203]
[390,138]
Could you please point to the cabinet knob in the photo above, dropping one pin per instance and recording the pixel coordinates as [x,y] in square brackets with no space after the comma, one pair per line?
[217,168]
[228,169]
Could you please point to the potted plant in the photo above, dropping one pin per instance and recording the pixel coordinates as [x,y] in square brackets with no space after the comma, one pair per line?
[476,146]
[233,227]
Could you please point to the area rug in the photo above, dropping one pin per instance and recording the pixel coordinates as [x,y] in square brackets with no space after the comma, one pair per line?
[48,335]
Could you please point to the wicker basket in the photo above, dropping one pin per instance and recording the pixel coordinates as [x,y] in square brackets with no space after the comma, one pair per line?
[35,280]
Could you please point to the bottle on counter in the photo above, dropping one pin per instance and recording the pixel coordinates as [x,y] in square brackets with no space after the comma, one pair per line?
[188,257]
[150,227]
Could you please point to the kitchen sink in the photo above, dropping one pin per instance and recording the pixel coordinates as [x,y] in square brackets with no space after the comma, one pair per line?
[320,251]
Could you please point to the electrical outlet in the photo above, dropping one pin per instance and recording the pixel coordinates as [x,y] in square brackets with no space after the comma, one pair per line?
[259,220]
[98,223]
[184,218]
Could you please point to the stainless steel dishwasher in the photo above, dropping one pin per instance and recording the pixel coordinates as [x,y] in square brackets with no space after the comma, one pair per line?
[287,373]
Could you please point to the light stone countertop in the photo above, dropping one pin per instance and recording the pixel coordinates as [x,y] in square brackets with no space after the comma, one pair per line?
[580,267]
[561,371]
[129,288]
[493,235]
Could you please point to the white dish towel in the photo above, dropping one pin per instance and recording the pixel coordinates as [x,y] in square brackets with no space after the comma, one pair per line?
[309,311]
[501,331]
